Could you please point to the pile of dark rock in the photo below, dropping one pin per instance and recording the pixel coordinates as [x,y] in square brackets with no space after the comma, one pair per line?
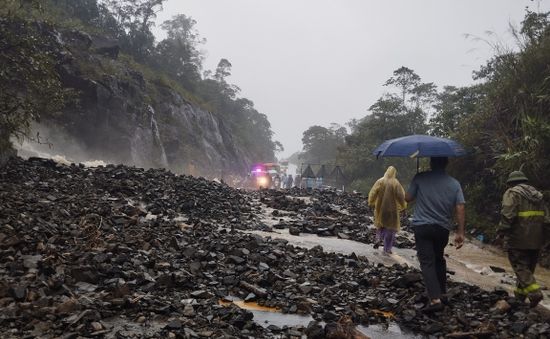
[121,252]
[325,213]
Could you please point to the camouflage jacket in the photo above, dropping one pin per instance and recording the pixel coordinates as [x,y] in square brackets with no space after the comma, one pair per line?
[525,219]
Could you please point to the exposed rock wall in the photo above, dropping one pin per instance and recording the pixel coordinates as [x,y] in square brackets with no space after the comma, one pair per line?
[123,116]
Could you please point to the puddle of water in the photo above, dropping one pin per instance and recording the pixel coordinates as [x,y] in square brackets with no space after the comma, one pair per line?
[265,316]
[251,306]
[265,319]
[392,331]
[385,314]
[344,246]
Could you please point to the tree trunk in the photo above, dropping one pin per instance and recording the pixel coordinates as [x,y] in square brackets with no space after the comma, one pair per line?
[6,148]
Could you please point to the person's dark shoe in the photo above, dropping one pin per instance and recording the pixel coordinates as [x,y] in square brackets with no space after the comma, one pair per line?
[535,298]
[432,308]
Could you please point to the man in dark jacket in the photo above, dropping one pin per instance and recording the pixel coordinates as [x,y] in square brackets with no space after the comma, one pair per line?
[523,223]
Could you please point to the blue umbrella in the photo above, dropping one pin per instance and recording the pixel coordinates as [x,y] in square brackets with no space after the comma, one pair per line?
[415,146]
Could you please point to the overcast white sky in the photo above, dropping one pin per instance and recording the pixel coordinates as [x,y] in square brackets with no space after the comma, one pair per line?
[314,62]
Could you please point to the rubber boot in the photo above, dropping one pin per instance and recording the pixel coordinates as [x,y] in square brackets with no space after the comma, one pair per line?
[520,296]
[534,298]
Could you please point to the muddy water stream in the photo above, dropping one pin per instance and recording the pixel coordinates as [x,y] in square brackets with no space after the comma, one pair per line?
[471,264]
[267,316]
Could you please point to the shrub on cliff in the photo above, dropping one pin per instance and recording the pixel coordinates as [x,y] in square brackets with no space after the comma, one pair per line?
[29,83]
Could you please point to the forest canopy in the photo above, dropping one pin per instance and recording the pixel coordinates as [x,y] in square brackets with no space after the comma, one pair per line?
[503,120]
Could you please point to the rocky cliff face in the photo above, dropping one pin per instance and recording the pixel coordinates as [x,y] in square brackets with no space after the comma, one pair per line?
[126,114]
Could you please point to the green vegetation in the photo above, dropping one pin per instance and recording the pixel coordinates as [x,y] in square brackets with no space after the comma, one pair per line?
[504,121]
[29,84]
[321,144]
[175,62]
[401,111]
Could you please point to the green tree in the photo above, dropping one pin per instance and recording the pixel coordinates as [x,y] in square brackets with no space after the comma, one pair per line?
[179,54]
[453,106]
[504,121]
[135,18]
[405,79]
[29,84]
[391,116]
[175,62]
[223,70]
[423,96]
[87,11]
[320,144]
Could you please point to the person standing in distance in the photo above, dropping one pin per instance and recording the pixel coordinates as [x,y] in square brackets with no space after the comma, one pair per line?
[523,222]
[437,197]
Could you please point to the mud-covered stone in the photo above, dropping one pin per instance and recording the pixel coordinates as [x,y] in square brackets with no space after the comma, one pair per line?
[146,253]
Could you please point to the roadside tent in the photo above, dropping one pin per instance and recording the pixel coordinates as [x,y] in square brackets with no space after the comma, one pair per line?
[309,177]
[322,173]
[308,173]
[337,177]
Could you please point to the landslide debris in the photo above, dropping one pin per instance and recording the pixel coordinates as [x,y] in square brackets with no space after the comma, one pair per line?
[325,213]
[122,252]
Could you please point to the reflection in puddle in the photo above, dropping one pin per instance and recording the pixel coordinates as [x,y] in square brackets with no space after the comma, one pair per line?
[266,316]
[251,306]
[332,244]
[392,331]
[385,314]
[265,319]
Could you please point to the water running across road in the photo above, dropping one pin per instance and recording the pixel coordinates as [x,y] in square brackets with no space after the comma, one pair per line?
[471,264]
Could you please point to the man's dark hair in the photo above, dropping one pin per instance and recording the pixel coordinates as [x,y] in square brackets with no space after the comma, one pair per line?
[438,163]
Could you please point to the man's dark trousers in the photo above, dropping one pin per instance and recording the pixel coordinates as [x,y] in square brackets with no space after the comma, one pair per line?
[430,246]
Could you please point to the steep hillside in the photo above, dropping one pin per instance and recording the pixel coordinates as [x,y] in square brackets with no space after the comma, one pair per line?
[95,86]
[126,114]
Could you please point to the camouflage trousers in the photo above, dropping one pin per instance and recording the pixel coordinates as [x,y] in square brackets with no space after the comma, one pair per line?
[524,262]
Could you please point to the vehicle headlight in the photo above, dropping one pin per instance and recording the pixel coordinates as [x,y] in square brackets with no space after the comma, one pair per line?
[262,181]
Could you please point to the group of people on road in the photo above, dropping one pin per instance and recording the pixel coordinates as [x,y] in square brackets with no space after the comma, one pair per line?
[287,181]
[438,202]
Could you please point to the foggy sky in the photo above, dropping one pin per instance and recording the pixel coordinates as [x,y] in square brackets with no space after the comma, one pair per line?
[314,62]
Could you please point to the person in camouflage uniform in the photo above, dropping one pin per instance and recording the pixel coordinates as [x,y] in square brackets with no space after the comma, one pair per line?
[524,225]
